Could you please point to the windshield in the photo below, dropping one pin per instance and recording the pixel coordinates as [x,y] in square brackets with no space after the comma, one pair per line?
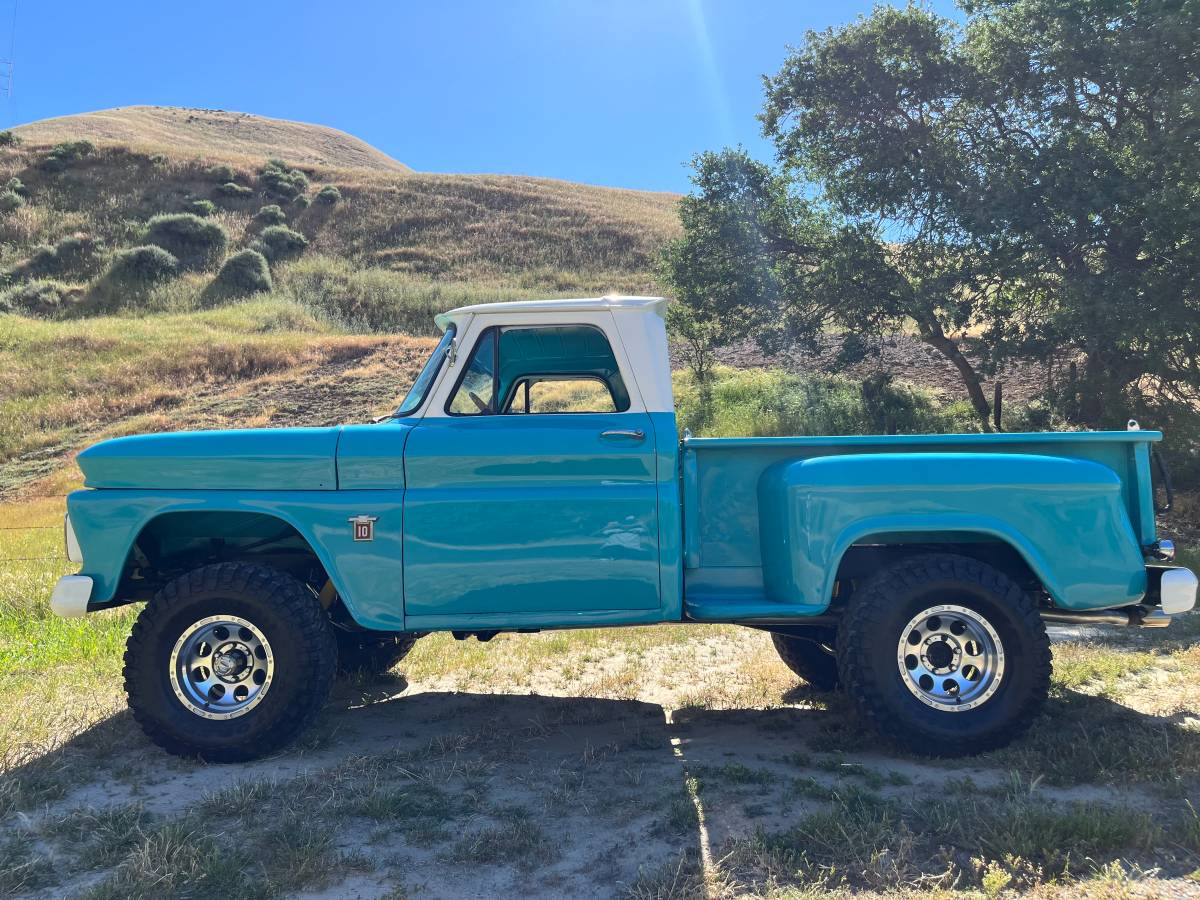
[416,394]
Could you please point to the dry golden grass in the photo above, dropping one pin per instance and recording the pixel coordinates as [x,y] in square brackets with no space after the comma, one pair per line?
[213,132]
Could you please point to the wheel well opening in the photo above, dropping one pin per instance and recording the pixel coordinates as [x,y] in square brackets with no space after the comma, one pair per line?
[174,543]
[872,553]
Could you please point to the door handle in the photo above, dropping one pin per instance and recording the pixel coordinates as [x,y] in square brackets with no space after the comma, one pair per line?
[618,433]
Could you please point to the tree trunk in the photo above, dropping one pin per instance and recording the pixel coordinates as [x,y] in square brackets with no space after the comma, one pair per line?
[932,333]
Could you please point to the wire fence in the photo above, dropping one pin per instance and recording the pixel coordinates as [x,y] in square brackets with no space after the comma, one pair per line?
[61,557]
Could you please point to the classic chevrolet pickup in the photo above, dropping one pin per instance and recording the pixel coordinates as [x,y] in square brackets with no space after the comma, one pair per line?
[533,478]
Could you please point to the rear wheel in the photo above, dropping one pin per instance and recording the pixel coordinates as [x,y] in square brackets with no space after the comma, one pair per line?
[812,658]
[368,653]
[945,655]
[229,662]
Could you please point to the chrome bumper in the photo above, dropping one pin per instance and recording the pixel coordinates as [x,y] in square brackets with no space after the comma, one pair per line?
[1177,591]
[71,596]
[1171,591]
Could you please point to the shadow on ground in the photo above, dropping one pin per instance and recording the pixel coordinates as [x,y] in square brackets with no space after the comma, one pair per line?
[553,796]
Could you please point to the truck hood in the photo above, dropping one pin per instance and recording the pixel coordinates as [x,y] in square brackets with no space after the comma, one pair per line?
[264,459]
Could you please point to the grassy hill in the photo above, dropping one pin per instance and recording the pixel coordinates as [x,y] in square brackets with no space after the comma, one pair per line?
[213,132]
[92,341]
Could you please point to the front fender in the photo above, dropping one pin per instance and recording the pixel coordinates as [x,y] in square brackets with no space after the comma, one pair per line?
[1064,516]
[368,575]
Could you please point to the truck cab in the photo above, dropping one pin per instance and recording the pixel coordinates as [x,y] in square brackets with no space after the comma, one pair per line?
[534,477]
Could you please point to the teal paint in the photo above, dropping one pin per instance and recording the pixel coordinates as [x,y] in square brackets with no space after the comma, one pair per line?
[721,503]
[249,459]
[531,514]
[371,457]
[539,521]
[368,576]
[1046,508]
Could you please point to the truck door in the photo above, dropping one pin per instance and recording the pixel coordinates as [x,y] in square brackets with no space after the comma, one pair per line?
[531,490]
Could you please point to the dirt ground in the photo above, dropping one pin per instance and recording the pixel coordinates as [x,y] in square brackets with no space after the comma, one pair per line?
[641,762]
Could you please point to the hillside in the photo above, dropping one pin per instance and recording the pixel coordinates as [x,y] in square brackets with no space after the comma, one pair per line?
[98,333]
[213,133]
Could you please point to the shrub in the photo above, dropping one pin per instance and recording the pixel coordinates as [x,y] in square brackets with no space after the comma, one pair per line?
[221,173]
[302,202]
[369,299]
[17,186]
[272,214]
[195,242]
[244,273]
[63,154]
[202,207]
[329,195]
[76,256]
[278,242]
[158,159]
[38,298]
[131,275]
[278,180]
[230,189]
[9,139]
[142,267]
[10,201]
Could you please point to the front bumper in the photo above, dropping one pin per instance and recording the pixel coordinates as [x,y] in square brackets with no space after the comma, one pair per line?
[1176,590]
[71,596]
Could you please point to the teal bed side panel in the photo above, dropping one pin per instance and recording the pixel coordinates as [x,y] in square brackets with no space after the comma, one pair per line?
[720,478]
[367,575]
[251,459]
[1064,516]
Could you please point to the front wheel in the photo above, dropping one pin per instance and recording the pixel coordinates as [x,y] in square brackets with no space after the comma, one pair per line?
[229,662]
[945,655]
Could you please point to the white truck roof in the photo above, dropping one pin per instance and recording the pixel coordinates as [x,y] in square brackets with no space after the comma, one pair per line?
[638,324]
[610,302]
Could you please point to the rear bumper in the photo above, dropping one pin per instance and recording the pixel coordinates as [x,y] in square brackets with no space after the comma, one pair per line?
[1170,591]
[71,596]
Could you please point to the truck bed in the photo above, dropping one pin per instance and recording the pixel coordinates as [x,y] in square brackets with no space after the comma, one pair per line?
[724,479]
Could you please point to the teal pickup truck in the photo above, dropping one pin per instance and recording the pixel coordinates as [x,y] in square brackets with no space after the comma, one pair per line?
[534,478]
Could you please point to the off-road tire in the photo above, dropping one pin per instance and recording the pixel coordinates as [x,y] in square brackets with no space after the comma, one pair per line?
[873,623]
[808,659]
[302,643]
[367,653]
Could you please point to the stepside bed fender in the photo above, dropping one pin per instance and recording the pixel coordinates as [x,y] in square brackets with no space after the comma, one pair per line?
[1064,516]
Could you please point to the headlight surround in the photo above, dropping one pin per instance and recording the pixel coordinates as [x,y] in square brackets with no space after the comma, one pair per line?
[74,552]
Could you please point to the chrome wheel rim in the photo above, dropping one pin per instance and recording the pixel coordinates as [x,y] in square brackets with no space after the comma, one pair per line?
[221,667]
[950,658]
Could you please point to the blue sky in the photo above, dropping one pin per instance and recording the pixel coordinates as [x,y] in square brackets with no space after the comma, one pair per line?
[615,92]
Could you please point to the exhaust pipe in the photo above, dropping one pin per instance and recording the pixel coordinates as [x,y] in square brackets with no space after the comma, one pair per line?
[1129,616]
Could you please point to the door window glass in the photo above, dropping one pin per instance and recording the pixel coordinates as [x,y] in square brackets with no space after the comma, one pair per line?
[547,369]
[476,391]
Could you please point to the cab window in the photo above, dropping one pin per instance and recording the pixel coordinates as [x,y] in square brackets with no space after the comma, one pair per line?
[540,370]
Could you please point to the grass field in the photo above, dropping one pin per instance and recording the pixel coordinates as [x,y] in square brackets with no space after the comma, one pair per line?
[671,761]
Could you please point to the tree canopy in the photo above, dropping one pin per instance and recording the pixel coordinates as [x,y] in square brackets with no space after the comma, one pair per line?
[1031,177]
